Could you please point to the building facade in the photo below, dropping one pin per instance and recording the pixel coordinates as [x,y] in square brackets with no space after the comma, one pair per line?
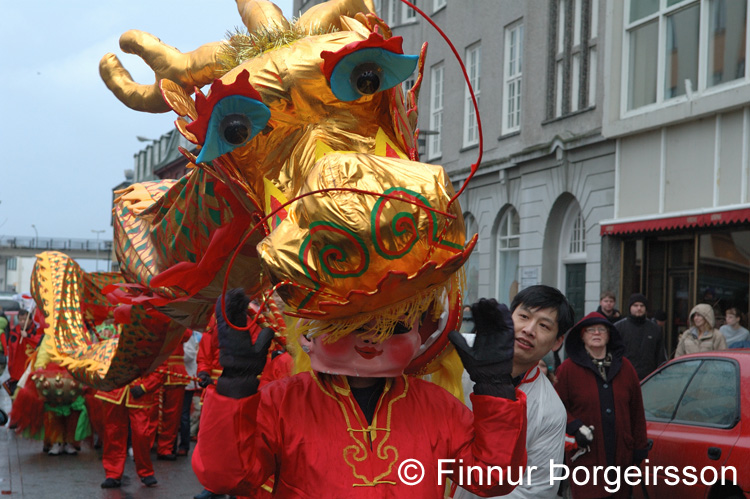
[547,175]
[677,109]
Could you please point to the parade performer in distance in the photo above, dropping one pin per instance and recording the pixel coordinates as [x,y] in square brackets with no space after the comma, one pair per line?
[52,407]
[171,398]
[134,404]
[18,345]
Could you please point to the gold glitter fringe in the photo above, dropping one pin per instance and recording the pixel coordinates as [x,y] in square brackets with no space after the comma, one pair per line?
[242,45]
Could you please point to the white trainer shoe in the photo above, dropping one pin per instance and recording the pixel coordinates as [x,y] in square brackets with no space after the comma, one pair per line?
[55,450]
[70,450]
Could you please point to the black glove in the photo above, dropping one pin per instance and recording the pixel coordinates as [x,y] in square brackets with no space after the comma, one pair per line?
[205,379]
[639,455]
[241,359]
[489,361]
[137,392]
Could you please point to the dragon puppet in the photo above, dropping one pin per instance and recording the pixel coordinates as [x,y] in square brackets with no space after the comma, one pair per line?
[305,183]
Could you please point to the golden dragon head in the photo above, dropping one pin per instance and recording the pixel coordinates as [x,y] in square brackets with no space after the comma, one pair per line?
[306,180]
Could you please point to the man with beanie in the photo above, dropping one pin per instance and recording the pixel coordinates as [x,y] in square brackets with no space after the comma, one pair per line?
[644,342]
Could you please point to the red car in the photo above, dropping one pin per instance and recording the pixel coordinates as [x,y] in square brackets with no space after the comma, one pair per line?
[698,417]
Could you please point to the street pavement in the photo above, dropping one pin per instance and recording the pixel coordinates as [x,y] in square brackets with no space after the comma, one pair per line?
[26,472]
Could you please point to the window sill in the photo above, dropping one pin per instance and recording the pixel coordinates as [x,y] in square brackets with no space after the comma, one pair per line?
[469,147]
[514,133]
[569,115]
[442,7]
[682,99]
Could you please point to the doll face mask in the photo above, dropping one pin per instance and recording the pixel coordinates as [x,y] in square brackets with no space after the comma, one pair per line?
[359,354]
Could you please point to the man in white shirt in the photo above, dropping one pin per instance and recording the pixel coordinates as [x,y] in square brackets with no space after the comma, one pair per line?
[541,317]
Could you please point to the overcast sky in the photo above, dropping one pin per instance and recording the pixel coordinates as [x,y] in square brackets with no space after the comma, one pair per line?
[66,140]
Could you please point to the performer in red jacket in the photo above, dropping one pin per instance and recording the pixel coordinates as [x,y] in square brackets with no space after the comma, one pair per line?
[136,403]
[353,429]
[209,368]
[18,344]
[171,397]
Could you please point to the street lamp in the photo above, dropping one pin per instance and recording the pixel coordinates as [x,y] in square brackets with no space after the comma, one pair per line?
[97,232]
[36,235]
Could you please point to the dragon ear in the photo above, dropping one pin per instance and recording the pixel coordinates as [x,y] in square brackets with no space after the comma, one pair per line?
[177,99]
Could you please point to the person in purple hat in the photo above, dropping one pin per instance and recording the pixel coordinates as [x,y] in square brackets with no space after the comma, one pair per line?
[601,392]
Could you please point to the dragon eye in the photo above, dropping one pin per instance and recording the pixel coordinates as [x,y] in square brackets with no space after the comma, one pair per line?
[228,118]
[366,78]
[366,67]
[235,128]
[234,121]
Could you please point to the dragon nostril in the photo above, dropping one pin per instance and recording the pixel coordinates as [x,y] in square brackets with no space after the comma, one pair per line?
[235,128]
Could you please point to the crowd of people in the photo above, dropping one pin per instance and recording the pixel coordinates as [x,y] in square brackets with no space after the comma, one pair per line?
[159,412]
[586,410]
[592,397]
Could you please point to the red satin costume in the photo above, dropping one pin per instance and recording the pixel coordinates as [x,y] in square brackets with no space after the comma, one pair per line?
[309,432]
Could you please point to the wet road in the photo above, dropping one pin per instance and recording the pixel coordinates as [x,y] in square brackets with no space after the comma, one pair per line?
[26,472]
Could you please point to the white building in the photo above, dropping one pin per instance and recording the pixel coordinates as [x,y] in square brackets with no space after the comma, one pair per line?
[678,109]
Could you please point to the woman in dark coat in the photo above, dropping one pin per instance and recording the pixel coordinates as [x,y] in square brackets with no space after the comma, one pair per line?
[600,389]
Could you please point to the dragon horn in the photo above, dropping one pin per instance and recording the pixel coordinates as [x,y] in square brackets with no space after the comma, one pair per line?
[261,14]
[191,69]
[329,14]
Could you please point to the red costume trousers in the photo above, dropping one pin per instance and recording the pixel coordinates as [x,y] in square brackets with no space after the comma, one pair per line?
[172,397]
[143,431]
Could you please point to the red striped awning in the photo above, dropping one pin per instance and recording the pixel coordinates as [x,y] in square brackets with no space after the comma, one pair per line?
[683,221]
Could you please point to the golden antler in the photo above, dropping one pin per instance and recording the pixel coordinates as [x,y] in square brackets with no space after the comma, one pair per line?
[261,14]
[196,68]
[329,14]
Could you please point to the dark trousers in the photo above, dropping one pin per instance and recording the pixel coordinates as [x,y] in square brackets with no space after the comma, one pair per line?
[187,403]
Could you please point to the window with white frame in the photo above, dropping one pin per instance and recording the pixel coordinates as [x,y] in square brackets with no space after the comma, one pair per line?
[508,251]
[512,78]
[472,60]
[378,7]
[408,15]
[393,9]
[437,74]
[702,43]
[438,4]
[577,235]
[572,249]
[572,57]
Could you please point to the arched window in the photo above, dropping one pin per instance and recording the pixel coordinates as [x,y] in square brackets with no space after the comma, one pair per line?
[508,245]
[577,236]
[572,276]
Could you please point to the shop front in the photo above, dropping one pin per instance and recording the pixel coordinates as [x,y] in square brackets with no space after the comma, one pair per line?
[677,262]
